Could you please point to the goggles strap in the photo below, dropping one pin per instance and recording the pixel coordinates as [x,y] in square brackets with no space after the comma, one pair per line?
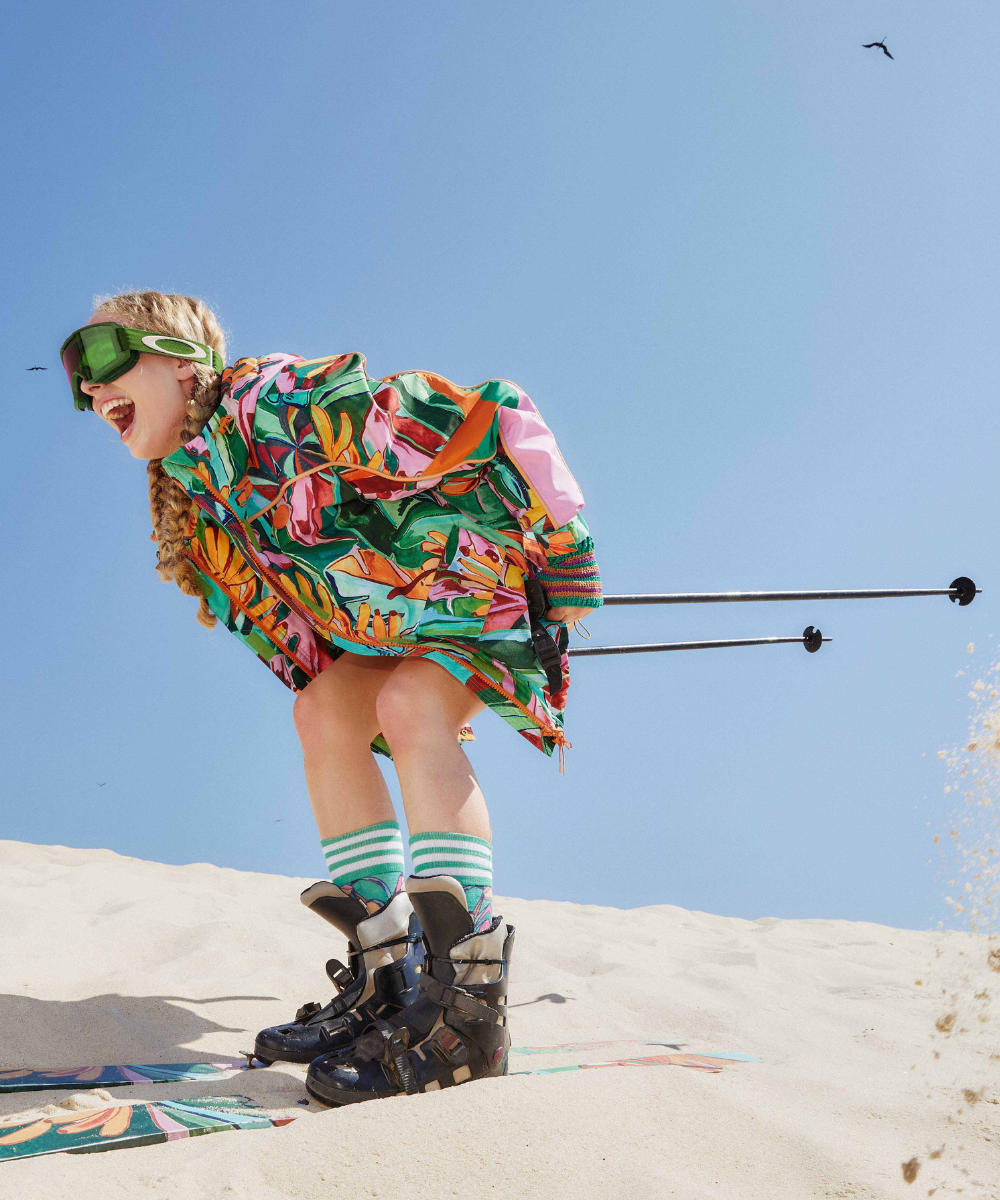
[172,347]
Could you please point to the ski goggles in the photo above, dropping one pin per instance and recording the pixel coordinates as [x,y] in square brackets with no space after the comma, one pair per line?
[101,352]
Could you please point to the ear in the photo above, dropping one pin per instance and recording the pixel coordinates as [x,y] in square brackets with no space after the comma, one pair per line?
[184,373]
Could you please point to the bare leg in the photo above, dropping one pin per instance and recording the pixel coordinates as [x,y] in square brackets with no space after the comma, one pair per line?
[336,720]
[420,710]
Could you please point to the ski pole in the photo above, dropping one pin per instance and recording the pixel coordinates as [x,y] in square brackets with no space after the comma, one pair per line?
[961,589]
[811,638]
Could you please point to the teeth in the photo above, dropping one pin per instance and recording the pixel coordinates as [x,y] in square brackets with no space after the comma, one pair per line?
[114,407]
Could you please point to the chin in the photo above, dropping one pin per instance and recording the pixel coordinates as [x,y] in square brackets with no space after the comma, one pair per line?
[145,449]
[142,452]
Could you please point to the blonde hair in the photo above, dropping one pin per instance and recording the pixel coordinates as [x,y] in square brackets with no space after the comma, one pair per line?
[171,507]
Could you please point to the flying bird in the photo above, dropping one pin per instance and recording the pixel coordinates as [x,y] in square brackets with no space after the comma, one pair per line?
[880,45]
[37,368]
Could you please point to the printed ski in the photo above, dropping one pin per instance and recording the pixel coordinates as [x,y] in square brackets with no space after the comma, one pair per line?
[699,1062]
[143,1123]
[29,1079]
[571,1047]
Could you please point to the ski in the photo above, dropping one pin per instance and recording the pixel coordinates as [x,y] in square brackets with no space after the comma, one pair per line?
[699,1062]
[570,1047]
[30,1079]
[121,1125]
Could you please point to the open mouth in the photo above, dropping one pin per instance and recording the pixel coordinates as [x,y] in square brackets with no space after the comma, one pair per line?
[121,414]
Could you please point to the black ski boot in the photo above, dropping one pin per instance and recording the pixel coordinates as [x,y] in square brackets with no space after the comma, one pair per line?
[455,1029]
[385,955]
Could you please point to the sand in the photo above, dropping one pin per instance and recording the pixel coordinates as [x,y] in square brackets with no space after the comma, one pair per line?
[109,959]
[969,844]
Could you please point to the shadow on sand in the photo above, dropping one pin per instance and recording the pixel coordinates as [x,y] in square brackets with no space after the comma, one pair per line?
[109,1029]
[551,997]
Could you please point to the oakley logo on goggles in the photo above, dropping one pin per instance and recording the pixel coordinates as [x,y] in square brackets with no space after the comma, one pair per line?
[102,352]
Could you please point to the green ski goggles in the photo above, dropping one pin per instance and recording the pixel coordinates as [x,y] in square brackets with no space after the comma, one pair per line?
[101,352]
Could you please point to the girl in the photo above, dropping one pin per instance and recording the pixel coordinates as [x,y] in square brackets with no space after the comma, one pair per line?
[402,553]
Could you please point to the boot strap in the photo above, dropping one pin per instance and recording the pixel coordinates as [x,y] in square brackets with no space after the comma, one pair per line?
[455,997]
[344,977]
[399,941]
[340,976]
[388,1044]
[479,962]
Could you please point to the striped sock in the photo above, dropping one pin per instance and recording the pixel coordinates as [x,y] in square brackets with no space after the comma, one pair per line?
[367,863]
[468,859]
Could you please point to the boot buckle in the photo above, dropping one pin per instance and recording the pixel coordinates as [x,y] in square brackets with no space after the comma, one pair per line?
[340,976]
[388,1044]
[396,1047]
[460,1000]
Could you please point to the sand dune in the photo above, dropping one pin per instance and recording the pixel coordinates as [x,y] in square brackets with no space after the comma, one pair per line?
[114,960]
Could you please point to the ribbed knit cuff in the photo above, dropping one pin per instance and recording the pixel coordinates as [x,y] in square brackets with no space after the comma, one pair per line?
[573,580]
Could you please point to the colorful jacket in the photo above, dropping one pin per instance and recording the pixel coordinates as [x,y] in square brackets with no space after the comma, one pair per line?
[393,516]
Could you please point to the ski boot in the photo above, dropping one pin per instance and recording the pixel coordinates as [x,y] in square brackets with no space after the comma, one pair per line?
[455,1029]
[384,959]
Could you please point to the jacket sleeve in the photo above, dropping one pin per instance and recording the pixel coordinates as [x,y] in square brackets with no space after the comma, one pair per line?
[572,579]
[569,573]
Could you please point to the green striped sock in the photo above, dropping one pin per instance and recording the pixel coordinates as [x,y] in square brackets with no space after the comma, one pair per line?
[367,863]
[468,859]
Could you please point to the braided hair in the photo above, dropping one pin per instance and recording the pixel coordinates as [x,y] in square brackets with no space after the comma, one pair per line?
[172,510]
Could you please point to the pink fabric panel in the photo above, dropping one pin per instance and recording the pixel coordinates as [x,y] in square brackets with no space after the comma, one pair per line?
[530,443]
[272,365]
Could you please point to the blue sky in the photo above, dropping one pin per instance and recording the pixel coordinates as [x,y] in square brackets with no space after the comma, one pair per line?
[745,268]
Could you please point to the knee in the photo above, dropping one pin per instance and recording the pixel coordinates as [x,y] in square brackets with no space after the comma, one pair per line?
[407,717]
[322,715]
[307,713]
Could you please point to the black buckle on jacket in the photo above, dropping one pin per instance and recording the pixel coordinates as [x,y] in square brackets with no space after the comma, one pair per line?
[546,650]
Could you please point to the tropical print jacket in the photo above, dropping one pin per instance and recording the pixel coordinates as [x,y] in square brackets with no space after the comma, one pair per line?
[395,516]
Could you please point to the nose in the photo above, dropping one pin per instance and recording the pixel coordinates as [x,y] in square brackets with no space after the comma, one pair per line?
[91,389]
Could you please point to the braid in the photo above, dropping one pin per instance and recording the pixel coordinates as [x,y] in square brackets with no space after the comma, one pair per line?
[171,508]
